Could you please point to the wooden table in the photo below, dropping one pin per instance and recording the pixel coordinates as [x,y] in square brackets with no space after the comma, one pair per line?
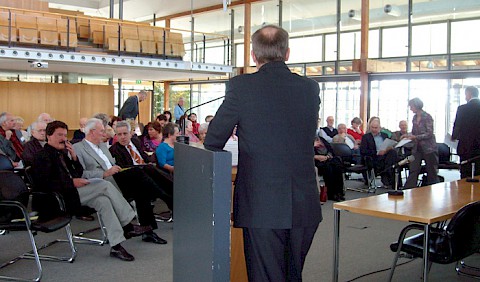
[425,205]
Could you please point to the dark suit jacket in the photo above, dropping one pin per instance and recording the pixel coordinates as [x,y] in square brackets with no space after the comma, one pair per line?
[368,147]
[122,156]
[275,185]
[129,108]
[466,129]
[30,149]
[49,175]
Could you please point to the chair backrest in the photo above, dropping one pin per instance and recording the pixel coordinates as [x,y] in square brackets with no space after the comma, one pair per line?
[443,153]
[11,186]
[341,150]
[464,232]
[5,163]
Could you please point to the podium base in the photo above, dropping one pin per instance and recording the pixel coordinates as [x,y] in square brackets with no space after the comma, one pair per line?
[472,180]
[395,193]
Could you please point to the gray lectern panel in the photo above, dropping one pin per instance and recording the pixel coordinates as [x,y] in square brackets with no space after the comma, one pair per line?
[202,200]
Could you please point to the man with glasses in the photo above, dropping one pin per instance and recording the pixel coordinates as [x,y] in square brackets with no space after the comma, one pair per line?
[36,143]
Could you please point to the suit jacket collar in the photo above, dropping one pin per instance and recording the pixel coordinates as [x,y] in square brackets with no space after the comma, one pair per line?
[274,65]
[95,156]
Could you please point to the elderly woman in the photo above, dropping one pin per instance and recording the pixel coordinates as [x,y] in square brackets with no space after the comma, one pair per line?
[202,132]
[425,147]
[331,169]
[356,131]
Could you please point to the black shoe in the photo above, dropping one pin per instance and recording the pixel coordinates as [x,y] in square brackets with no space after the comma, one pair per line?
[137,230]
[121,253]
[153,237]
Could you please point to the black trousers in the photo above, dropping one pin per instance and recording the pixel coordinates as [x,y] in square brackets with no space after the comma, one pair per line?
[276,255]
[332,173]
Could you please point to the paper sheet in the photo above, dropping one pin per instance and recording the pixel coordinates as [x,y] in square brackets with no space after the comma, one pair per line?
[449,142]
[387,143]
[402,142]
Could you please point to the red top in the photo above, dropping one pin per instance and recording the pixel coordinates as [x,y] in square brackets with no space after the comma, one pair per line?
[356,136]
[195,125]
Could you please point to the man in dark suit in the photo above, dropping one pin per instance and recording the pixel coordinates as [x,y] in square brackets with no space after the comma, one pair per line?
[97,162]
[129,109]
[276,199]
[55,171]
[36,142]
[383,159]
[467,131]
[128,154]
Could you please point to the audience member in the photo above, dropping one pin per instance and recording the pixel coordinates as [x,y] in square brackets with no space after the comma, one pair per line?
[383,159]
[179,111]
[356,130]
[383,129]
[55,171]
[193,118]
[127,154]
[10,139]
[329,131]
[165,151]
[36,143]
[45,117]
[169,115]
[330,168]
[79,134]
[425,147]
[208,118]
[397,135]
[97,162]
[162,119]
[344,137]
[202,132]
[467,132]
[152,136]
[19,126]
[129,109]
[189,132]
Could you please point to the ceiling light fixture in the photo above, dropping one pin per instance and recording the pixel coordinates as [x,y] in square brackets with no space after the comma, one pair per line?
[354,15]
[391,10]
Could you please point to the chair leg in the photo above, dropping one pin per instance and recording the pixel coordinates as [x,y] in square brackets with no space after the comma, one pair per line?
[79,238]
[461,266]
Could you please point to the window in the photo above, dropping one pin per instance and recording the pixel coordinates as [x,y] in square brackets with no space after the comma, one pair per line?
[395,42]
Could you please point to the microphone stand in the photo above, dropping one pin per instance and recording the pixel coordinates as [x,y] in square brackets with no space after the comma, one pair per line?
[472,179]
[396,192]
[183,138]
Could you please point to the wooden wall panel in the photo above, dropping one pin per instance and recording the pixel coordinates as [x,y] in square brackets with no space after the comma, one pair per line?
[27,99]
[62,102]
[4,89]
[144,108]
[96,99]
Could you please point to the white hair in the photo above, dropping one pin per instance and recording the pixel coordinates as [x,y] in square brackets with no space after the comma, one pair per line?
[91,124]
[203,127]
[123,124]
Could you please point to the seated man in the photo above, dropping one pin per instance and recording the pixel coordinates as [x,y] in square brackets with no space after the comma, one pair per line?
[79,134]
[397,135]
[36,143]
[127,153]
[97,162]
[55,171]
[328,132]
[10,139]
[383,160]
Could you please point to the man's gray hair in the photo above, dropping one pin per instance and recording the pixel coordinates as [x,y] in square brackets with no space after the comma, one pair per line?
[203,127]
[123,124]
[3,117]
[270,43]
[104,118]
[472,90]
[142,92]
[91,124]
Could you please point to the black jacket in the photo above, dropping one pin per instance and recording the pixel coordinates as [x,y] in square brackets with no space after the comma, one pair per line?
[466,129]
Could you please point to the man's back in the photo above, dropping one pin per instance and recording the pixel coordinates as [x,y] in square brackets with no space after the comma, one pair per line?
[466,129]
[276,186]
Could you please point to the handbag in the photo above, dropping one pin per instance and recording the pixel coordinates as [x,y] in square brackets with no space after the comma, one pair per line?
[323,193]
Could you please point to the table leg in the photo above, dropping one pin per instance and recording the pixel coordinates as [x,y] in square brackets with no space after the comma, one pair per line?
[336,240]
[426,247]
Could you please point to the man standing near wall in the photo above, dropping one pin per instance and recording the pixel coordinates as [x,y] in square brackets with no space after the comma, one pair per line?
[129,109]
[276,199]
[467,131]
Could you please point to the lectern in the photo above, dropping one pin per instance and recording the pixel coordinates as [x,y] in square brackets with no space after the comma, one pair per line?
[202,201]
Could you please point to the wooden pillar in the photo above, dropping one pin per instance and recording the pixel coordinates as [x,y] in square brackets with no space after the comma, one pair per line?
[247,27]
[364,79]
[167,24]
[166,95]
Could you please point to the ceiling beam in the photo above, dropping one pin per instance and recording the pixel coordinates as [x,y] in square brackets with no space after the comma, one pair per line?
[203,10]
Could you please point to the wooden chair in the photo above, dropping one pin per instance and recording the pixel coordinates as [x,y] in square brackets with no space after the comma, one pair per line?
[130,34]
[67,29]
[8,31]
[47,30]
[27,28]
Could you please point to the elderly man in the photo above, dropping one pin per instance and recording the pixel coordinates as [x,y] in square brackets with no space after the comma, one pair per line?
[79,134]
[36,143]
[10,139]
[179,111]
[383,159]
[55,171]
[97,162]
[397,135]
[129,109]
[45,117]
[329,131]
[128,154]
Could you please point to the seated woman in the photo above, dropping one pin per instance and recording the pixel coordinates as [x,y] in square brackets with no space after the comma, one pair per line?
[356,131]
[152,136]
[165,151]
[330,168]
[189,132]
[202,132]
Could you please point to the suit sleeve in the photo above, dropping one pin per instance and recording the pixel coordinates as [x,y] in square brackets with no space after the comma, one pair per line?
[128,107]
[227,116]
[457,126]
[365,149]
[87,174]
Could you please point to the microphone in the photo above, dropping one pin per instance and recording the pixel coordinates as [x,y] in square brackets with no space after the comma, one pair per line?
[405,161]
[470,160]
[182,138]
